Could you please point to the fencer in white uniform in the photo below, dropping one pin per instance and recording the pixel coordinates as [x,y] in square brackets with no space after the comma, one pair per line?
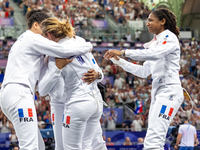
[78,129]
[22,71]
[162,62]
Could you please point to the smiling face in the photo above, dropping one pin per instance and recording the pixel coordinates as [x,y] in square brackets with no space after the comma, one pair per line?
[155,26]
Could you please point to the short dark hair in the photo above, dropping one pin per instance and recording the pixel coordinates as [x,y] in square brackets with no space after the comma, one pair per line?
[30,13]
[170,19]
[185,118]
[35,16]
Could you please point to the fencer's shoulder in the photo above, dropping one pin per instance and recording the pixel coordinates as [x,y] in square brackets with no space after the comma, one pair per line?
[78,38]
[168,35]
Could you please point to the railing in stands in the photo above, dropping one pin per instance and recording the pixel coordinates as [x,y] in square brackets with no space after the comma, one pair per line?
[129,112]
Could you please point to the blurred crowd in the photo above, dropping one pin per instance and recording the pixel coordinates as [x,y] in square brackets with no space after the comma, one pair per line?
[6,10]
[77,11]
[122,11]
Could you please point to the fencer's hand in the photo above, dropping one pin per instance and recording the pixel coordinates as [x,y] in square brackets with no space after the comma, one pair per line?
[175,147]
[62,62]
[90,76]
[111,53]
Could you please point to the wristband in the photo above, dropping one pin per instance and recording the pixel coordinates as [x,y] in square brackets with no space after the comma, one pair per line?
[99,75]
[123,53]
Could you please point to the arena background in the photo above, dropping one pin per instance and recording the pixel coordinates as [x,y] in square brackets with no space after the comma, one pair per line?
[111,24]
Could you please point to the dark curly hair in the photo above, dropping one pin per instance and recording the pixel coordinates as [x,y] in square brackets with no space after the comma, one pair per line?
[170,19]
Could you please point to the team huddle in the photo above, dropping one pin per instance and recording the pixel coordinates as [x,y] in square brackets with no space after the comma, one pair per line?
[51,54]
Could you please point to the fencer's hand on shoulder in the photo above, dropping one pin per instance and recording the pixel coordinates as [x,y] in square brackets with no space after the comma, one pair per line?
[90,76]
[62,62]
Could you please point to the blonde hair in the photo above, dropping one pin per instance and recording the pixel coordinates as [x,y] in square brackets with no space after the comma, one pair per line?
[57,28]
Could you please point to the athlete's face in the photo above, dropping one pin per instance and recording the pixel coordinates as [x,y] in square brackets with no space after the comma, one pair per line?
[154,25]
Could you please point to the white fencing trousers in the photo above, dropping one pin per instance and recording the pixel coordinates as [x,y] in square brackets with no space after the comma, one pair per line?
[98,143]
[168,99]
[17,104]
[57,111]
[81,115]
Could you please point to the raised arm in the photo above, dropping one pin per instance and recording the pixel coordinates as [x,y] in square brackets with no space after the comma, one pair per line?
[44,46]
[165,46]
[138,70]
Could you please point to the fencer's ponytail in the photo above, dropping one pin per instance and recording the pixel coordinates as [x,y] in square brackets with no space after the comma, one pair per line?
[57,28]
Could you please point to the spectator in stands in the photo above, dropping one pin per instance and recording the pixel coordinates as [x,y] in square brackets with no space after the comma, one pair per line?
[137,123]
[127,141]
[111,123]
[137,35]
[107,85]
[108,142]
[127,124]
[119,82]
[1,76]
[198,123]
[6,125]
[103,123]
[15,147]
[13,138]
[130,80]
[193,63]
[130,98]
[128,37]
[5,53]
[187,136]
[41,123]
[110,97]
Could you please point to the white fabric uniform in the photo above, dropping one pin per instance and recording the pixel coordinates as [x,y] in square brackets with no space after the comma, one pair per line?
[22,71]
[162,57]
[76,95]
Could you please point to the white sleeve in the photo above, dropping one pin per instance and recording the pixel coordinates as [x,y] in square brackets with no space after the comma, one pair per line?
[138,70]
[48,77]
[96,67]
[58,90]
[44,46]
[163,48]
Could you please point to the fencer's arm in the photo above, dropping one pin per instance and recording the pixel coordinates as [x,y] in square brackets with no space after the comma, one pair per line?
[138,70]
[44,46]
[96,68]
[48,77]
[163,48]
[57,91]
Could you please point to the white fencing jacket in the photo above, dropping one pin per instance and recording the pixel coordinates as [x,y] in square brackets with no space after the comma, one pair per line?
[67,83]
[26,57]
[162,60]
